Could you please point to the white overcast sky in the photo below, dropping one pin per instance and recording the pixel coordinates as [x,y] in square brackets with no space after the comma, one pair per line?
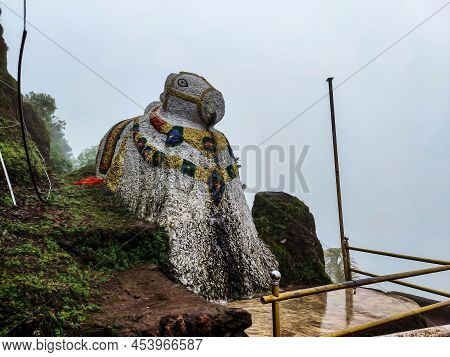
[270,59]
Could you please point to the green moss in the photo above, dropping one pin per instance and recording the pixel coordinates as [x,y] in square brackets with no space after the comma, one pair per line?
[14,156]
[286,225]
[43,288]
[54,257]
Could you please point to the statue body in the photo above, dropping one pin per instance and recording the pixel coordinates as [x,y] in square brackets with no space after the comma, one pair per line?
[171,167]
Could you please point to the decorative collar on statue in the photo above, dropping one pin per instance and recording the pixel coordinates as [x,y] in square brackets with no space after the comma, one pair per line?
[215,177]
[206,141]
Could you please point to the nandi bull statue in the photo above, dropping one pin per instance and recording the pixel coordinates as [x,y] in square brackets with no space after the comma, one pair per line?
[172,168]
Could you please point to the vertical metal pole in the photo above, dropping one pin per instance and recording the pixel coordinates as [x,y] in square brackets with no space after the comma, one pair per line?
[345,253]
[7,180]
[276,276]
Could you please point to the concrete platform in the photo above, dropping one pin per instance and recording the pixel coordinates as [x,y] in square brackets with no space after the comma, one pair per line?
[320,314]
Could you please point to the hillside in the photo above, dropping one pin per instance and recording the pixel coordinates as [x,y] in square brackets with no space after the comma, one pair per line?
[64,264]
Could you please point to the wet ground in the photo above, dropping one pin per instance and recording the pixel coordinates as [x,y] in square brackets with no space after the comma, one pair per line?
[320,314]
[142,301]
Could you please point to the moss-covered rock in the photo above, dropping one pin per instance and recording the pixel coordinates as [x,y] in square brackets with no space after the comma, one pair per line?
[287,226]
[11,144]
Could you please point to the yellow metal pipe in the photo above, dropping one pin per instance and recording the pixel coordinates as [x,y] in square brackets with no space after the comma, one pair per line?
[401,256]
[345,256]
[387,320]
[349,284]
[349,261]
[276,313]
[409,285]
[276,328]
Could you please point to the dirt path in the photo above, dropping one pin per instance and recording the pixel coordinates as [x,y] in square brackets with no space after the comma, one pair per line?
[144,302]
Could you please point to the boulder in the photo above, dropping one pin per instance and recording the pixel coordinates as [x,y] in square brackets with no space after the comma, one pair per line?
[287,226]
[144,302]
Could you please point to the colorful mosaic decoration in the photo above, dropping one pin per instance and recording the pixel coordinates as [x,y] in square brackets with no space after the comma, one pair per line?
[110,145]
[215,178]
[216,187]
[208,142]
[115,172]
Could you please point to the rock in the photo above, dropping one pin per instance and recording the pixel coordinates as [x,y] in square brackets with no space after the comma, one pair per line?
[10,134]
[407,324]
[143,302]
[173,168]
[437,331]
[433,317]
[285,224]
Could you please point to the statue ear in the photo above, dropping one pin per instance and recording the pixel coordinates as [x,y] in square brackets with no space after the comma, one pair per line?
[169,82]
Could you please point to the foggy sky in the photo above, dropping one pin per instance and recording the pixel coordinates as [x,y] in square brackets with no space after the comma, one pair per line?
[270,59]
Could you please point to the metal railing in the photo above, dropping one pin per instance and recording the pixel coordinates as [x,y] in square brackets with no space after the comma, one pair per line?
[409,285]
[394,318]
[276,297]
[401,256]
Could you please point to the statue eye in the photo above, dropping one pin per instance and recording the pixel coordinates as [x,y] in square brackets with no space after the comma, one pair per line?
[182,82]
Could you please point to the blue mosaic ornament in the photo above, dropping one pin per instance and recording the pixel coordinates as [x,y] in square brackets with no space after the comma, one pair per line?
[175,136]
[216,186]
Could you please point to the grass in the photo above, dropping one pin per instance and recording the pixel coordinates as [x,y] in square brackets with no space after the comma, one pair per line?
[54,257]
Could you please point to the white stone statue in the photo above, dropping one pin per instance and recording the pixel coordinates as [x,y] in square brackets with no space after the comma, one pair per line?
[171,167]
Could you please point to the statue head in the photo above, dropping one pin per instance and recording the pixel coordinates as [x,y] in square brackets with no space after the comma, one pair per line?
[193,97]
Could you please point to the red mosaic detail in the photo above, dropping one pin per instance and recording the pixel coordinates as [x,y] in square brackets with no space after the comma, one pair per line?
[157,122]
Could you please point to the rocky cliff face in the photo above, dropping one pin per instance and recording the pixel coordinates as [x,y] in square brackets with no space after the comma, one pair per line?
[10,135]
[287,226]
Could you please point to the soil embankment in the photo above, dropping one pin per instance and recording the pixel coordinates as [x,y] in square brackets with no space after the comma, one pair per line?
[142,301]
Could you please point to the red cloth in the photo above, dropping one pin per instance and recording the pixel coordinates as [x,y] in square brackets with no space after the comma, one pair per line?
[91,180]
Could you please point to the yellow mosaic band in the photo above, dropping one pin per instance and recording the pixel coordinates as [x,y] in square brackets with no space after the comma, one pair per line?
[194,137]
[110,145]
[149,153]
[114,174]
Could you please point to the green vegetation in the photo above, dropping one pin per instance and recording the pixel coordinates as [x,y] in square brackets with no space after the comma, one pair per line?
[86,157]
[55,257]
[285,224]
[334,265]
[60,151]
[14,157]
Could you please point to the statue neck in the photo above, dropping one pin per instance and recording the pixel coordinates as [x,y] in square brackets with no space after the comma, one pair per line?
[182,113]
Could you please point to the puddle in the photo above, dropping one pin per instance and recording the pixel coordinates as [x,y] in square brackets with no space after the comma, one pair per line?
[320,314]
